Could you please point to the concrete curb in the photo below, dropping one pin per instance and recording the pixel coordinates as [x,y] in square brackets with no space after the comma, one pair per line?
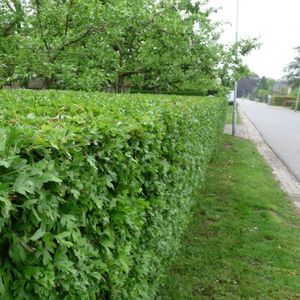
[288,182]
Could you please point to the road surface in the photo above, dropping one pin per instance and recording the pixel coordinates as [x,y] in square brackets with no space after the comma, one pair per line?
[280,128]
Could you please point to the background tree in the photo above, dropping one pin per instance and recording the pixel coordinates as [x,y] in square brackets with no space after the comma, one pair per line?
[59,33]
[264,89]
[12,25]
[247,85]
[292,70]
[168,45]
[231,61]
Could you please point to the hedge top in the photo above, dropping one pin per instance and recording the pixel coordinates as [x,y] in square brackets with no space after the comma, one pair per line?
[55,112]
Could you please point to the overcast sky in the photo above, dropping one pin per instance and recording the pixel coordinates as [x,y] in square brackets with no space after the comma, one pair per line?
[275,22]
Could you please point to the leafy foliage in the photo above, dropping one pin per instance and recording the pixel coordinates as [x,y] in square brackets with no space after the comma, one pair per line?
[282,101]
[96,189]
[231,62]
[264,89]
[292,70]
[167,45]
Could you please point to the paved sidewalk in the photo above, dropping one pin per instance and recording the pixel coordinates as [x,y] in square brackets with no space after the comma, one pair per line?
[287,180]
[279,128]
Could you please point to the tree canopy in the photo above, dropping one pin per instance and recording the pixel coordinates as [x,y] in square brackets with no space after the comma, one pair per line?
[116,44]
[293,69]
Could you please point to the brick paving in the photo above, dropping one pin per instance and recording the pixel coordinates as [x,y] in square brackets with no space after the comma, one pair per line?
[288,182]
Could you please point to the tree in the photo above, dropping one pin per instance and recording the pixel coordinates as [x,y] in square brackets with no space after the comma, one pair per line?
[292,70]
[12,16]
[59,32]
[115,44]
[157,47]
[232,67]
[264,88]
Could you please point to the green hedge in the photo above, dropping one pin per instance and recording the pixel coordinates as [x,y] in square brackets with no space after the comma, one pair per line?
[95,189]
[177,93]
[282,101]
[293,106]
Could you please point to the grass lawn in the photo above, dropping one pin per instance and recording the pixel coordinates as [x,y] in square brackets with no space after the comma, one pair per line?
[243,241]
[229,115]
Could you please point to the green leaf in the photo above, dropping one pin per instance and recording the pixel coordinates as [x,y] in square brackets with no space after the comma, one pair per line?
[5,163]
[47,258]
[109,181]
[29,203]
[50,177]
[7,206]
[92,162]
[107,243]
[17,251]
[3,139]
[38,234]
[63,235]
[24,185]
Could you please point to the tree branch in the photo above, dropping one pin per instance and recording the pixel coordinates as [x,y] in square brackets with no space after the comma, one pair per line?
[84,35]
[9,6]
[68,17]
[37,3]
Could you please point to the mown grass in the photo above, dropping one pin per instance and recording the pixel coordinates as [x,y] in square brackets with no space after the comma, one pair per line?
[229,115]
[243,241]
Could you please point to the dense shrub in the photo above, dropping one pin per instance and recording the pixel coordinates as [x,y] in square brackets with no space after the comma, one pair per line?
[293,105]
[96,189]
[282,101]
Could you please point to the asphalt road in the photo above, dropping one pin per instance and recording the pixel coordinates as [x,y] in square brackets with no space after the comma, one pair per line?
[280,128]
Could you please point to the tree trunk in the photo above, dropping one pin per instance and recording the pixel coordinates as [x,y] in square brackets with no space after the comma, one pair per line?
[120,83]
[48,82]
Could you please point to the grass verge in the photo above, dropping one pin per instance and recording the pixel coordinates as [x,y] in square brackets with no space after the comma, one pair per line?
[229,115]
[243,241]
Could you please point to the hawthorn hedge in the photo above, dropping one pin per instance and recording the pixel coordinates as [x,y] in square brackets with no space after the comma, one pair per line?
[96,189]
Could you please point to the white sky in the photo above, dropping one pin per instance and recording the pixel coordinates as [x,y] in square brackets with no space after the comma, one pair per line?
[275,22]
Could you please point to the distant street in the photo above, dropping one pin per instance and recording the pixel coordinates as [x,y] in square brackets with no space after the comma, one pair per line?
[280,128]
